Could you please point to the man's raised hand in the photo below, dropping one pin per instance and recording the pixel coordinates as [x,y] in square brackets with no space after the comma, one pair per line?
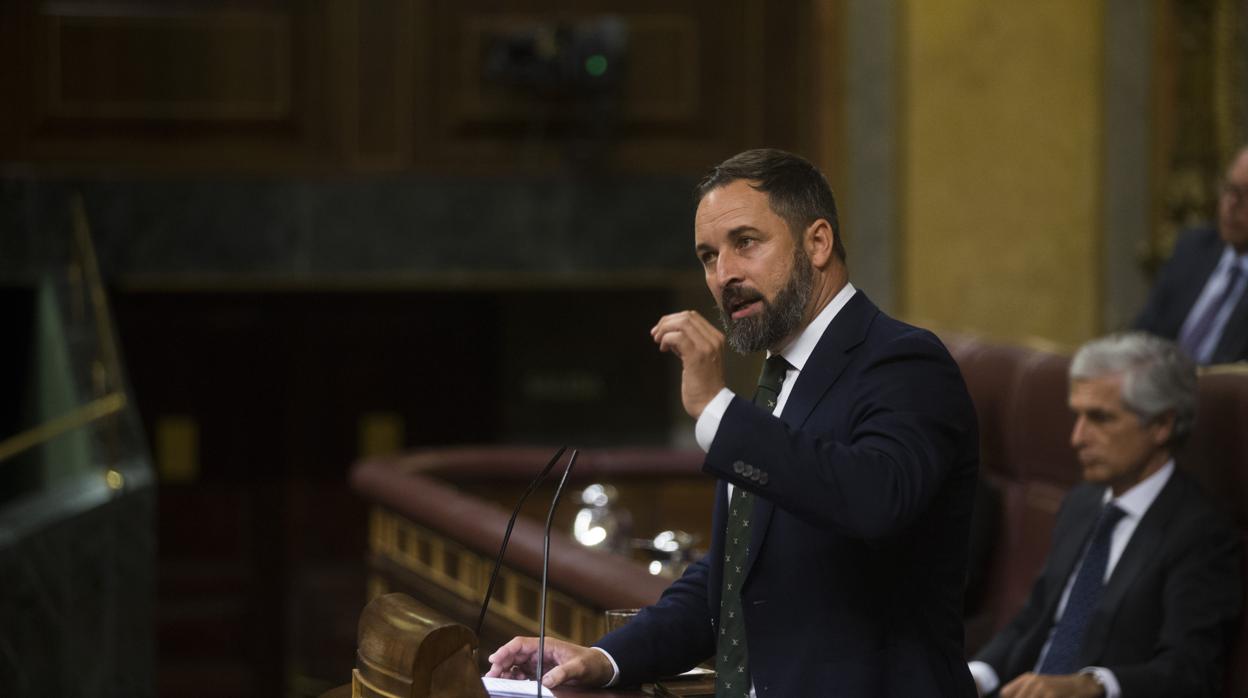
[700,346]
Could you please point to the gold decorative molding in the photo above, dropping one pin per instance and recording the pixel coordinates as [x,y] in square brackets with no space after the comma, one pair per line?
[91,412]
[376,585]
[1229,75]
[177,448]
[1236,369]
[1199,119]
[466,574]
[380,433]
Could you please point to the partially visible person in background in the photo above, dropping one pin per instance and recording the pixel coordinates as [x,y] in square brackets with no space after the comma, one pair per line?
[1200,298]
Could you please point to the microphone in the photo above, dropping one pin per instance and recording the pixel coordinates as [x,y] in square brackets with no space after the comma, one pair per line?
[550,515]
[498,562]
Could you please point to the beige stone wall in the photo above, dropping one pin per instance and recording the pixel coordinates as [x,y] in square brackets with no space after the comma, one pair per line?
[1000,165]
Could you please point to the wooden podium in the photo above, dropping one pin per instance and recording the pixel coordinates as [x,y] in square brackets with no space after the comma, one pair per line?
[436,520]
[407,650]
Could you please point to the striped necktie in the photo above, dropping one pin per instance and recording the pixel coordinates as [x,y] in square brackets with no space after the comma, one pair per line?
[1192,340]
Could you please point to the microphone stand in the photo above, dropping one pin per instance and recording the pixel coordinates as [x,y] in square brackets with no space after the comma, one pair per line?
[550,515]
[498,562]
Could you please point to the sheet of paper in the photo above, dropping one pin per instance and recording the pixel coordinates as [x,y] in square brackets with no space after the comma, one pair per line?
[698,671]
[514,687]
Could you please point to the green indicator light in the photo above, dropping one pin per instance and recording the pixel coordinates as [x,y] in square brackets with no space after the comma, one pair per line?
[596,65]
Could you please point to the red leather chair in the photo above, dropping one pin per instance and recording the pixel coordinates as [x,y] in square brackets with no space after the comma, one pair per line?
[1020,395]
[1217,454]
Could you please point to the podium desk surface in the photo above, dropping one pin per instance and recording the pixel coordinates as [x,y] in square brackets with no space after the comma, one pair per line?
[560,692]
[579,692]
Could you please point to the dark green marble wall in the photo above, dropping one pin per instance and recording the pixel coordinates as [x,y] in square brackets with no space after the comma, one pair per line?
[387,225]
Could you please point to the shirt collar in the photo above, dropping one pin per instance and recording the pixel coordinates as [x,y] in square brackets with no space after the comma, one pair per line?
[1231,258]
[1139,498]
[803,345]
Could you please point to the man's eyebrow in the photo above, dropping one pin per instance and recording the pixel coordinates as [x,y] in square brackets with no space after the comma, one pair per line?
[732,235]
[741,229]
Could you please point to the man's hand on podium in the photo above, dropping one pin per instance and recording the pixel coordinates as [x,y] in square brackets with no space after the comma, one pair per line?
[567,663]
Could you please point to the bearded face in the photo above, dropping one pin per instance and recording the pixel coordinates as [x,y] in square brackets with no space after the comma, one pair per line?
[780,317]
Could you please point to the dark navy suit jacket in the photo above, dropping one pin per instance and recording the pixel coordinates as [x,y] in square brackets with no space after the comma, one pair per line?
[859,533]
[1179,284]
[1169,610]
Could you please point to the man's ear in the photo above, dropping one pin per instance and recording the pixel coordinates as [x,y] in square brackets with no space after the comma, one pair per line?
[820,243]
[1162,428]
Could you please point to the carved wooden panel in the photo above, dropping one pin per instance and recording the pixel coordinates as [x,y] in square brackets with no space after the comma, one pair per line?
[374,67]
[392,85]
[1201,115]
[697,81]
[153,83]
[232,66]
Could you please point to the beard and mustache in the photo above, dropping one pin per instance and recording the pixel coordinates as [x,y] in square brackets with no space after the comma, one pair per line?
[779,318]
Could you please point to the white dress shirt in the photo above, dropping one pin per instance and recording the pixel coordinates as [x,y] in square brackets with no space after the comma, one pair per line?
[1134,503]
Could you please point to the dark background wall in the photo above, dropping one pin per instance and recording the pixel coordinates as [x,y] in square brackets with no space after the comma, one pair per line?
[330,230]
[401,227]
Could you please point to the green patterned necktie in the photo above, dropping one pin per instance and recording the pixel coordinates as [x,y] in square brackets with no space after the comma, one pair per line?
[732,675]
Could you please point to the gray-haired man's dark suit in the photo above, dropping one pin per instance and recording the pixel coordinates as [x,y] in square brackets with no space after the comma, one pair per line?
[1169,610]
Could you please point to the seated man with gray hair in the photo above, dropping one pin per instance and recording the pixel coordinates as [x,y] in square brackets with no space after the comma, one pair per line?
[1140,593]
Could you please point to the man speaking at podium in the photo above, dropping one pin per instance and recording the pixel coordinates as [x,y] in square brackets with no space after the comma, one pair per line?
[843,509]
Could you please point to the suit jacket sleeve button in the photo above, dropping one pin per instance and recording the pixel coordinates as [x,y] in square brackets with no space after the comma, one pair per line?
[737,467]
[763,480]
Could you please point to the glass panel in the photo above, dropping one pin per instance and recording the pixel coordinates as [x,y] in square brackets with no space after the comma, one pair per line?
[77,495]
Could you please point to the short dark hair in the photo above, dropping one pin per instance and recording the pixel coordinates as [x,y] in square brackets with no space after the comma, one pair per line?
[796,190]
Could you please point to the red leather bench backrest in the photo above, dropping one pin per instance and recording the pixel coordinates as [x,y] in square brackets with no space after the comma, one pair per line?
[1217,454]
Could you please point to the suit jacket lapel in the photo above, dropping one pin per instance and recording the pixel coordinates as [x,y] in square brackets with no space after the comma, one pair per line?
[1197,272]
[1144,542]
[846,331]
[1233,345]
